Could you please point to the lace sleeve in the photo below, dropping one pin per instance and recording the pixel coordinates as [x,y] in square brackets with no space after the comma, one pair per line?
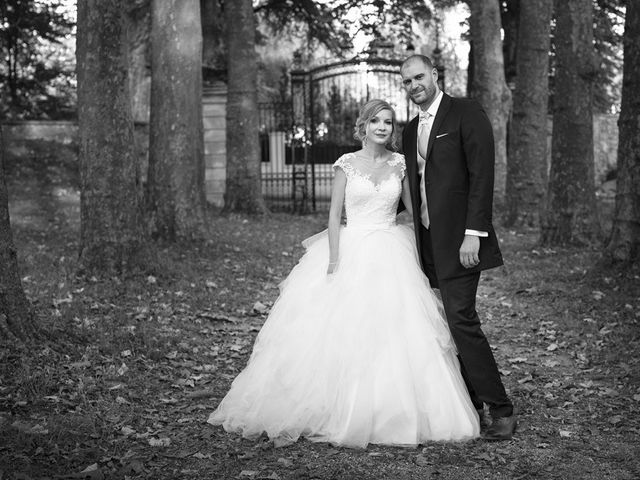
[343,163]
[398,160]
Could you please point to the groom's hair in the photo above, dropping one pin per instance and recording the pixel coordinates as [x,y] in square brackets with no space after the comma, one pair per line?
[426,61]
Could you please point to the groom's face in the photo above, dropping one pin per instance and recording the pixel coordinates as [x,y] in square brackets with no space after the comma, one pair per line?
[420,82]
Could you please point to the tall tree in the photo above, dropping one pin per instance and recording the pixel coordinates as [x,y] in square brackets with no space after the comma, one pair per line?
[243,191]
[570,210]
[624,245]
[527,164]
[488,84]
[176,184]
[111,233]
[16,319]
[139,32]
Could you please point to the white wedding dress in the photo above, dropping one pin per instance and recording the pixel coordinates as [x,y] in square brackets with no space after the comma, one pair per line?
[361,356]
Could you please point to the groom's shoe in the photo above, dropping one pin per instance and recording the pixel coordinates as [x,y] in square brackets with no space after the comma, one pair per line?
[501,428]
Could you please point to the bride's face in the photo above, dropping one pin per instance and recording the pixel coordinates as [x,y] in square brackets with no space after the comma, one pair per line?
[380,127]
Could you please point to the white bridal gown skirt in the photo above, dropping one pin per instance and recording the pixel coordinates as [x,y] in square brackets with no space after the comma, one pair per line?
[361,356]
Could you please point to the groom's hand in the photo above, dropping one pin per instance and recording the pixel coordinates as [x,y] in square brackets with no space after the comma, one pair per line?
[469,251]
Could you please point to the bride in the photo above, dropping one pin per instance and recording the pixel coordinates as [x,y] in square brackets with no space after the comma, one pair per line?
[356,349]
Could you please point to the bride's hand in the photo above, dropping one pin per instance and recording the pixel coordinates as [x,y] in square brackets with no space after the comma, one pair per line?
[331,269]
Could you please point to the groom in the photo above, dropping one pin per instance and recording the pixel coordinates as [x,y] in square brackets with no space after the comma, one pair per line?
[449,153]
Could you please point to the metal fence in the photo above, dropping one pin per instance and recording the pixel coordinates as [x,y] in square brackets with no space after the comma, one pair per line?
[301,140]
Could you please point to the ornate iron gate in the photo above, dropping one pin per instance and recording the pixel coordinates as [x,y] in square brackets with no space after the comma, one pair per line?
[297,170]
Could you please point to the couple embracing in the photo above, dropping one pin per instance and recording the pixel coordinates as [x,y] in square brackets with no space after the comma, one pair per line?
[357,348]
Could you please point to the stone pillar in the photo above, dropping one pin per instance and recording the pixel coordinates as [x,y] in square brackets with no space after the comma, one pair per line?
[214,110]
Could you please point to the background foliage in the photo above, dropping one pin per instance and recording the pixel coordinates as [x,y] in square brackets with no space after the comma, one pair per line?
[37,71]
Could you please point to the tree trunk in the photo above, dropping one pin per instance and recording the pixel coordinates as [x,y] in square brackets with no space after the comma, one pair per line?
[527,162]
[243,191]
[570,213]
[111,234]
[488,84]
[139,16]
[16,319]
[624,245]
[510,19]
[176,184]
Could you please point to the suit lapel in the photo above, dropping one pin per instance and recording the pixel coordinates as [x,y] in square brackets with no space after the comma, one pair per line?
[445,105]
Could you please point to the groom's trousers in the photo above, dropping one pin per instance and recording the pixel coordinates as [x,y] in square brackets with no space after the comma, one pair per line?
[478,366]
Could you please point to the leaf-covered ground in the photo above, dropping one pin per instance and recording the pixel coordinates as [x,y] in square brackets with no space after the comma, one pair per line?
[130,368]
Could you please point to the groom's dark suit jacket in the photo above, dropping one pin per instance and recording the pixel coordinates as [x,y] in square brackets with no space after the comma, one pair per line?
[459,184]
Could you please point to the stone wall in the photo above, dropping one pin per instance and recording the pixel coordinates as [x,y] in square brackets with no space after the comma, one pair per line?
[18,135]
[214,110]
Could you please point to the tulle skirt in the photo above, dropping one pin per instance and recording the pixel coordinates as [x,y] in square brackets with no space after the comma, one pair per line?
[361,356]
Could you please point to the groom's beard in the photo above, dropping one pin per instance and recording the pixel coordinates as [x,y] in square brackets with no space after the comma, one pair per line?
[428,95]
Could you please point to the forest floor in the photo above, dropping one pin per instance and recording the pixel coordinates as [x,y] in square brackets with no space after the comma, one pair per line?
[128,370]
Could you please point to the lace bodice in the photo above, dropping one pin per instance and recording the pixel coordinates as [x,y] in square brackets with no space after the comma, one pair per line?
[369,201]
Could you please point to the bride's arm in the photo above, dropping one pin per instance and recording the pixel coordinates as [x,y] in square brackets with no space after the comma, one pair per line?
[335,215]
[406,196]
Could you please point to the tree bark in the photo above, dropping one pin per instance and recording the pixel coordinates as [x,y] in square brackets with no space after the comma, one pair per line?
[624,245]
[570,214]
[176,183]
[16,319]
[111,233]
[139,25]
[243,190]
[488,84]
[527,162]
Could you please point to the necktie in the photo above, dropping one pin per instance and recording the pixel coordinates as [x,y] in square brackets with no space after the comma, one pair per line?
[423,117]
[424,130]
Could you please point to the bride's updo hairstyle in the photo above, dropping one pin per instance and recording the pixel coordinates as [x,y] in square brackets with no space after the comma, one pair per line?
[367,112]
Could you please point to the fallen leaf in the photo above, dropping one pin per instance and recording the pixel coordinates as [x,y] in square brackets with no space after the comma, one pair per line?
[135,466]
[201,456]
[285,462]
[271,476]
[80,364]
[518,360]
[260,308]
[525,379]
[160,442]
[126,431]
